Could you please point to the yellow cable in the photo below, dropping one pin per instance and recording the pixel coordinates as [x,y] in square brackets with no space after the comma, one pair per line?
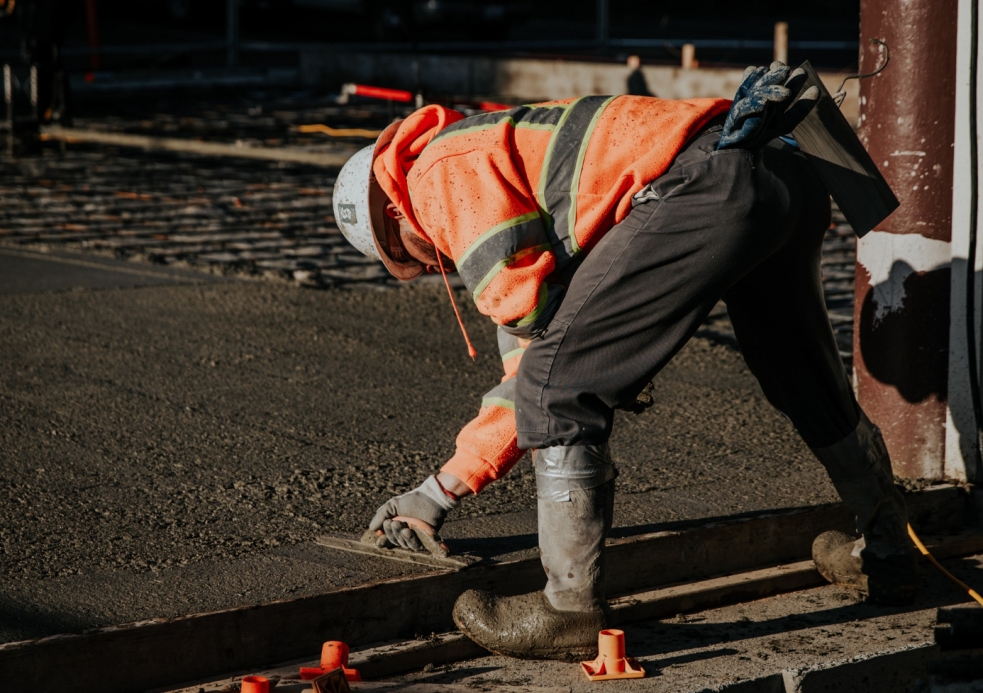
[921,547]
[338,132]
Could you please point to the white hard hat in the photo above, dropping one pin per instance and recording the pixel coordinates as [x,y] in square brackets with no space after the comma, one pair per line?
[359,210]
[351,202]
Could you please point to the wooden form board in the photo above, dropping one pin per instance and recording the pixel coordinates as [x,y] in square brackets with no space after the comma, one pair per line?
[229,686]
[756,584]
[149,654]
[399,657]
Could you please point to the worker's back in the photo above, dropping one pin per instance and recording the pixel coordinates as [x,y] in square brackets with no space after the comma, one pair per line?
[515,195]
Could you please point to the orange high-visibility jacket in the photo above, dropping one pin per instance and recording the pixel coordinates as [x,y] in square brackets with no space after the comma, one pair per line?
[515,198]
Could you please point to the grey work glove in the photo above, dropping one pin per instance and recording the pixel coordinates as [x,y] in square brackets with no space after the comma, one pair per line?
[761,111]
[427,502]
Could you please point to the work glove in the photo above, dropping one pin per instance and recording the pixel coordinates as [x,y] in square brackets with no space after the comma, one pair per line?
[427,502]
[761,112]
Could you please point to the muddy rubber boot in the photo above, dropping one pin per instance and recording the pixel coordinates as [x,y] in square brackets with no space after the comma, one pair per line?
[882,563]
[562,621]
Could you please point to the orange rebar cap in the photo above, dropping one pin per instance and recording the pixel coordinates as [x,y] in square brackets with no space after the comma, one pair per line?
[611,662]
[334,655]
[254,684]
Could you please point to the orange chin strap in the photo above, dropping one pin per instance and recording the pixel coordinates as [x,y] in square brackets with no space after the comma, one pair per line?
[472,352]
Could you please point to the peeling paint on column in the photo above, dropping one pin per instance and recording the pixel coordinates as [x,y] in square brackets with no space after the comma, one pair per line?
[901,358]
[889,260]
[903,275]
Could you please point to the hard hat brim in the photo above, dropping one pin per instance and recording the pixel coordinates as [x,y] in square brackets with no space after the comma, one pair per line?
[403,271]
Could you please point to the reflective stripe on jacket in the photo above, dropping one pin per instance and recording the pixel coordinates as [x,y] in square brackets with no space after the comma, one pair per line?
[515,198]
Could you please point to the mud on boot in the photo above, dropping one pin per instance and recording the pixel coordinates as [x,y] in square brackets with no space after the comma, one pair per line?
[575,488]
[527,626]
[882,564]
[889,580]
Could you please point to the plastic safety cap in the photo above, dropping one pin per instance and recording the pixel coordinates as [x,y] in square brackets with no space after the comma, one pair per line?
[334,655]
[255,684]
[611,662]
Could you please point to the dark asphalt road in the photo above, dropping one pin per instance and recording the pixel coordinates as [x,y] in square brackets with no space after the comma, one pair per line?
[174,447]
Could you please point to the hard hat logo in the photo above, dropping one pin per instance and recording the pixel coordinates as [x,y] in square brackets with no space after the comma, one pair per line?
[351,203]
[347,214]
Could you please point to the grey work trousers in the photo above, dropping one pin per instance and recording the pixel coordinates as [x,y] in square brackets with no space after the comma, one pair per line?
[742,226]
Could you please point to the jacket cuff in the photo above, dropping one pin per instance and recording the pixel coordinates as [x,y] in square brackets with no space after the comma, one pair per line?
[473,473]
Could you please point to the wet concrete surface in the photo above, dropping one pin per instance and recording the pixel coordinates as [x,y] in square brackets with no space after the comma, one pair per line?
[173,449]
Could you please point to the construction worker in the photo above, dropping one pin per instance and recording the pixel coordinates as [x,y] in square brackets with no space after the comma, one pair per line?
[636,83]
[598,233]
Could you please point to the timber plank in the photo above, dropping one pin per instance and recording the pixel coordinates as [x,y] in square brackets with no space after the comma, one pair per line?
[400,657]
[763,539]
[709,594]
[757,584]
[396,658]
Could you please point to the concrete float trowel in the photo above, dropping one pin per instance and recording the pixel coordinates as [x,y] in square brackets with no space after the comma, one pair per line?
[373,543]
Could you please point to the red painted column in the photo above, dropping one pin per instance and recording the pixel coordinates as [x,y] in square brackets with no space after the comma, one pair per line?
[901,319]
[92,26]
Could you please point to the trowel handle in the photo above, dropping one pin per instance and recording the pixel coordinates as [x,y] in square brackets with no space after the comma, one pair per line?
[418,525]
[424,532]
[427,535]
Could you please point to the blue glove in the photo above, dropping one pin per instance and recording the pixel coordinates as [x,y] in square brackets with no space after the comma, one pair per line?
[761,112]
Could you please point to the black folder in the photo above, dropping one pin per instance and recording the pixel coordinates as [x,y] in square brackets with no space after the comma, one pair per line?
[836,153]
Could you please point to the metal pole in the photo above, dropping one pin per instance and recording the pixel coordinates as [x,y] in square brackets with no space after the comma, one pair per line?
[903,276]
[781,42]
[8,99]
[34,92]
[962,453]
[689,61]
[92,28]
[603,30]
[232,32]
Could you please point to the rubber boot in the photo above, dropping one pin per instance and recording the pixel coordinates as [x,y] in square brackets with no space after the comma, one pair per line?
[882,563]
[562,621]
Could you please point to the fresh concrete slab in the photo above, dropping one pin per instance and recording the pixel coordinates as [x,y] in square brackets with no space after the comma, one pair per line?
[162,446]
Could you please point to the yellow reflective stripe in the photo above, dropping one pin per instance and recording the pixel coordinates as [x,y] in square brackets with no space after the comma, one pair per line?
[512,354]
[540,305]
[497,402]
[575,182]
[541,192]
[514,221]
[503,263]
[508,121]
[534,126]
[477,128]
